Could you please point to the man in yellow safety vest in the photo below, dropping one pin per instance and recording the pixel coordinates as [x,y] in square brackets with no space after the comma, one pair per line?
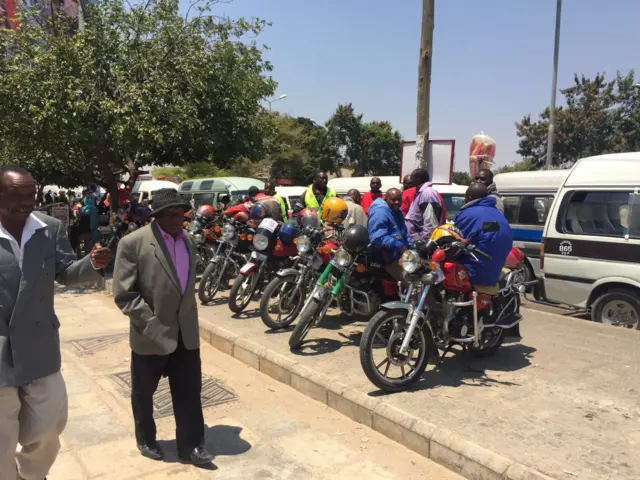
[315,195]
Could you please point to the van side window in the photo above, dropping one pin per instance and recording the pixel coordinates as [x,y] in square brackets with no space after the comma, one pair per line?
[203,199]
[527,209]
[206,185]
[596,213]
[186,186]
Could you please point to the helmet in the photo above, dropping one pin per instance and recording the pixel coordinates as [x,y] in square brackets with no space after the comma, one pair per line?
[259,212]
[334,210]
[445,234]
[356,238]
[287,233]
[308,218]
[242,217]
[205,211]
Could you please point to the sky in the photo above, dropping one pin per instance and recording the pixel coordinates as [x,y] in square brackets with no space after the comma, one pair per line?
[492,59]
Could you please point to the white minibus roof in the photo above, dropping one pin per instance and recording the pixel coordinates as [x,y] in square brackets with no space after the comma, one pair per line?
[152,185]
[537,181]
[611,170]
[343,184]
[290,191]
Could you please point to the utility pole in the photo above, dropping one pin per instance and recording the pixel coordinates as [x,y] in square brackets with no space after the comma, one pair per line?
[424,81]
[554,87]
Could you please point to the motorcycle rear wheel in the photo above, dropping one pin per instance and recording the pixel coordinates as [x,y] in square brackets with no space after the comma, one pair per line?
[392,322]
[242,292]
[276,287]
[211,281]
[307,316]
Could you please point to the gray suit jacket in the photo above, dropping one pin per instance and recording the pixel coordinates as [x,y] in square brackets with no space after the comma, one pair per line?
[29,340]
[146,288]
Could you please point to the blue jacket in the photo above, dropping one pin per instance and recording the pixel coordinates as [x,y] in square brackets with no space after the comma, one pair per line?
[498,244]
[387,230]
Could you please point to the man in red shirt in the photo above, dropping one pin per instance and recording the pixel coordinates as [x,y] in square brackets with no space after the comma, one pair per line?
[370,197]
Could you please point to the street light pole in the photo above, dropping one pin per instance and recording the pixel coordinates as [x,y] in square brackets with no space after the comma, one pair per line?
[554,87]
[281,97]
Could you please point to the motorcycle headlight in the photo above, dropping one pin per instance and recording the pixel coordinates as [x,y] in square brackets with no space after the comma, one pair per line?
[410,261]
[260,242]
[228,232]
[304,244]
[342,258]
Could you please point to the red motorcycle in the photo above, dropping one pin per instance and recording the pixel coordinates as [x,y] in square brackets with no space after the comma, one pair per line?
[441,309]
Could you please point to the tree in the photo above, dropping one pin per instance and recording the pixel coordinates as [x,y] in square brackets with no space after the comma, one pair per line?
[366,148]
[462,178]
[599,117]
[139,85]
[380,150]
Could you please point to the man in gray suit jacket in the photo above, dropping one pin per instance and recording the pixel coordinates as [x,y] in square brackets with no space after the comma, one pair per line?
[154,285]
[34,252]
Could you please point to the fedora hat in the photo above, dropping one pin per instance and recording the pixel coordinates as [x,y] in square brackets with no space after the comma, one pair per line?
[167,198]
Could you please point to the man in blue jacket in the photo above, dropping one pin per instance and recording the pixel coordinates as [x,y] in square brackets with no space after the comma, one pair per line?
[388,231]
[482,224]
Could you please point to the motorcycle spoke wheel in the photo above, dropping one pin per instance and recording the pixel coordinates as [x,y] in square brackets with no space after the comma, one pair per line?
[246,291]
[380,357]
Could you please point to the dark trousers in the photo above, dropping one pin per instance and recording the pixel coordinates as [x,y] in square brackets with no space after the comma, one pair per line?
[185,380]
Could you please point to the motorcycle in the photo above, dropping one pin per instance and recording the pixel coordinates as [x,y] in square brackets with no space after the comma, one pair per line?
[229,256]
[284,296]
[203,235]
[353,280]
[442,309]
[269,255]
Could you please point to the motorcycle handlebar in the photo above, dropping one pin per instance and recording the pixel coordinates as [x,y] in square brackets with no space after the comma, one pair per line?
[468,247]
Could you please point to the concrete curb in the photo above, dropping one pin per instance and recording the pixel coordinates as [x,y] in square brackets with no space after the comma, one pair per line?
[438,444]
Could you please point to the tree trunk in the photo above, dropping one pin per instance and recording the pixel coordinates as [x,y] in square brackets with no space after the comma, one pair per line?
[104,165]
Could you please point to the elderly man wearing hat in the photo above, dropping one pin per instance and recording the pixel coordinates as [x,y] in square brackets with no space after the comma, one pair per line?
[154,285]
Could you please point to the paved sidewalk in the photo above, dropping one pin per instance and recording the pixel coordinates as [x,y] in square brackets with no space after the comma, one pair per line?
[257,427]
[563,401]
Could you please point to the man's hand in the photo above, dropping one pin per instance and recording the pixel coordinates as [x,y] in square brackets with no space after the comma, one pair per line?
[100,256]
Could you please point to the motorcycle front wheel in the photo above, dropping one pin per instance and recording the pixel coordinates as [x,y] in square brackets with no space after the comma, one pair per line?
[278,309]
[379,352]
[211,281]
[307,317]
[241,292]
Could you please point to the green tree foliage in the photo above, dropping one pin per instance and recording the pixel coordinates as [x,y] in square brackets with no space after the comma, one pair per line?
[367,148]
[462,178]
[599,117]
[139,85]
[522,166]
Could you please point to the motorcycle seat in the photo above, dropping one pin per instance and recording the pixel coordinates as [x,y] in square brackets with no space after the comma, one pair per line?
[487,289]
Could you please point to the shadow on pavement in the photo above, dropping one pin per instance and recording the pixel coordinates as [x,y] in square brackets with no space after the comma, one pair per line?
[80,290]
[220,440]
[460,368]
[215,302]
[321,346]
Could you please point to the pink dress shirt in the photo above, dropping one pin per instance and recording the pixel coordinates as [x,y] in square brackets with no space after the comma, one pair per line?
[179,254]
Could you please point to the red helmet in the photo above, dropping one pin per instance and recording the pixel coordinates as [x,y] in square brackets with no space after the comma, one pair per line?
[206,211]
[308,218]
[241,217]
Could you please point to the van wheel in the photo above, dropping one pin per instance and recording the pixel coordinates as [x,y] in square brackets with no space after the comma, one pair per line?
[617,307]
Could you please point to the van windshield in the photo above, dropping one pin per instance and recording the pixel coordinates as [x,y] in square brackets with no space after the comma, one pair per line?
[453,202]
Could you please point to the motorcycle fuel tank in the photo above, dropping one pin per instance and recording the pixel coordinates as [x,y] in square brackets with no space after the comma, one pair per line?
[456,277]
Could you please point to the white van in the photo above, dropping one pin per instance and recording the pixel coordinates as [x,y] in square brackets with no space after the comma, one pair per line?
[290,195]
[207,191]
[143,190]
[591,242]
[453,195]
[527,198]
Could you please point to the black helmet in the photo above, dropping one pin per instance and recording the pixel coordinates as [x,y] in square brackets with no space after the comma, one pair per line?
[356,238]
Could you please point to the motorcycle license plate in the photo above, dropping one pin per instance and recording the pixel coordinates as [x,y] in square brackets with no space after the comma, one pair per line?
[258,256]
[246,268]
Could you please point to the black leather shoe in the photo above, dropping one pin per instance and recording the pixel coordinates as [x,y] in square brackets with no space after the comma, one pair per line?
[151,450]
[197,456]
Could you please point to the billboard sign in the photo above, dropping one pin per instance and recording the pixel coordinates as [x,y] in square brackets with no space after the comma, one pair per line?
[440,156]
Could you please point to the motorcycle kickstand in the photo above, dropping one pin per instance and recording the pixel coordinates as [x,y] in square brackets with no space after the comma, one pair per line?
[446,350]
